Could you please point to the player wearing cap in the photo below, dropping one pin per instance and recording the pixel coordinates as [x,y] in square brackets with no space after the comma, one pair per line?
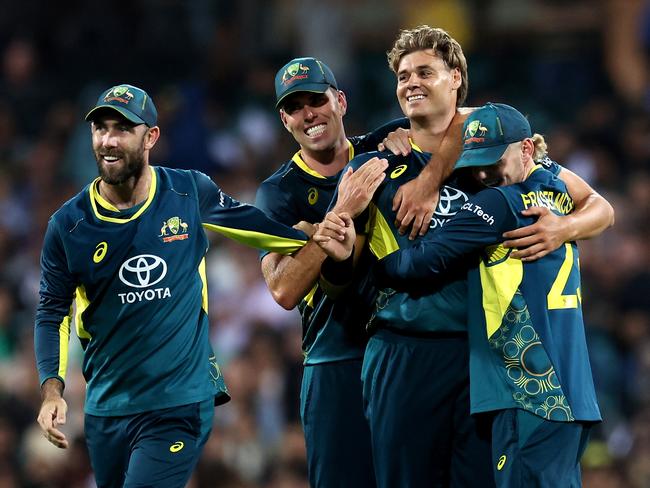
[312,109]
[415,370]
[126,258]
[528,353]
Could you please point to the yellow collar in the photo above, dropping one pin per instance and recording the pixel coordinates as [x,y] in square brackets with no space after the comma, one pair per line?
[297,158]
[96,198]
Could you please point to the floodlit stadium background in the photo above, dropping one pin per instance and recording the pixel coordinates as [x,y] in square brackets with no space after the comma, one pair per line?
[579,69]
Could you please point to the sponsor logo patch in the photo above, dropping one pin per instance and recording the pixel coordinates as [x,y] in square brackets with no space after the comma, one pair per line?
[140,272]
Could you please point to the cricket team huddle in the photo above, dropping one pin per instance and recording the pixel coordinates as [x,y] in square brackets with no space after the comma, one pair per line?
[433,261]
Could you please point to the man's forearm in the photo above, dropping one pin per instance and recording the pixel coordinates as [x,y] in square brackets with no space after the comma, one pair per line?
[436,171]
[591,217]
[290,278]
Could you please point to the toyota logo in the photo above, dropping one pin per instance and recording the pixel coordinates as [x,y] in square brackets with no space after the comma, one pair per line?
[450,201]
[143,271]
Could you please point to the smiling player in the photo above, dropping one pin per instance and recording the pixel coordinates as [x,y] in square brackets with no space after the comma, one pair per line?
[125,260]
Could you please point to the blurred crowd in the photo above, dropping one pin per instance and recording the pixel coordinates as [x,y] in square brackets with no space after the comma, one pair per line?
[579,69]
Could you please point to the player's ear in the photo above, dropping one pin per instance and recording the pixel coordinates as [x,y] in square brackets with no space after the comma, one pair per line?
[151,137]
[527,148]
[283,118]
[456,78]
[343,101]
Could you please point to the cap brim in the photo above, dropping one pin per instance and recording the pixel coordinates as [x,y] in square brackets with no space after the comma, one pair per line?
[306,87]
[484,156]
[125,113]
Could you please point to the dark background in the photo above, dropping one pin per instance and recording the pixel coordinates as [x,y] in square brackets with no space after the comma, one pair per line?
[579,69]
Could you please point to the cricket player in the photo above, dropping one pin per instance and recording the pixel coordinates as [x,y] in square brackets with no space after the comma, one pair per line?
[529,365]
[124,260]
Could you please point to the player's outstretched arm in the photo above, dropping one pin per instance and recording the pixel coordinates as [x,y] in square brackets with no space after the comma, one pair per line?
[241,222]
[416,200]
[592,215]
[455,245]
[53,412]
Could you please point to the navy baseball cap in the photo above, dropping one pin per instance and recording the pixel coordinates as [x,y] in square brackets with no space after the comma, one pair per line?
[303,74]
[489,131]
[132,102]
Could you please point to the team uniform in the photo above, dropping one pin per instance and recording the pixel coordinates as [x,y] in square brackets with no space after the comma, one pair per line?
[529,365]
[137,280]
[334,338]
[415,371]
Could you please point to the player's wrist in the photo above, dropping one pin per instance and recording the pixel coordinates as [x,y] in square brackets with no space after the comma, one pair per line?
[52,388]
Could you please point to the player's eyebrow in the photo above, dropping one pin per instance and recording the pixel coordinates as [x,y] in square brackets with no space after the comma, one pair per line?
[416,68]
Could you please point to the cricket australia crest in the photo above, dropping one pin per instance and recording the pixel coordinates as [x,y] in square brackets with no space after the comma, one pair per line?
[174,229]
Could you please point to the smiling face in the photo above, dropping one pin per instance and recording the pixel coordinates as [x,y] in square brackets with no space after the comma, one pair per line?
[120,147]
[426,86]
[315,120]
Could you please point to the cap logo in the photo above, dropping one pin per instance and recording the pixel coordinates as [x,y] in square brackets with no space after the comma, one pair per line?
[474,128]
[295,71]
[120,94]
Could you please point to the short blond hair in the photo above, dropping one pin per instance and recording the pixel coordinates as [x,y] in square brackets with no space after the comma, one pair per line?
[426,37]
[541,148]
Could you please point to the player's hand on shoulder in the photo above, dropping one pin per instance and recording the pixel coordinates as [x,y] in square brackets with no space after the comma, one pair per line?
[535,241]
[414,203]
[397,142]
[356,188]
[336,235]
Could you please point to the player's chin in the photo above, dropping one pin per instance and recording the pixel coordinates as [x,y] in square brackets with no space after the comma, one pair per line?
[319,143]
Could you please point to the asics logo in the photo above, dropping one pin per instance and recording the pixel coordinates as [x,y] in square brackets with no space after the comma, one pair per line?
[143,271]
[176,446]
[502,462]
[398,171]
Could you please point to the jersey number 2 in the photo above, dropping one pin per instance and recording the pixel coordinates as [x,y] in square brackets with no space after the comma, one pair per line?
[555,299]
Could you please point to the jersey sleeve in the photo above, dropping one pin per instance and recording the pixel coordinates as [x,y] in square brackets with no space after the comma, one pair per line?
[54,311]
[369,142]
[480,223]
[242,222]
[275,203]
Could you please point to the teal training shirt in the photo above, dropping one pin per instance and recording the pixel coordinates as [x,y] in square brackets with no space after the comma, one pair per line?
[527,339]
[137,280]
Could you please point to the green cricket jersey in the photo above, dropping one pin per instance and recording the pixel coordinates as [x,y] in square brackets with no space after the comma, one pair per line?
[133,283]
